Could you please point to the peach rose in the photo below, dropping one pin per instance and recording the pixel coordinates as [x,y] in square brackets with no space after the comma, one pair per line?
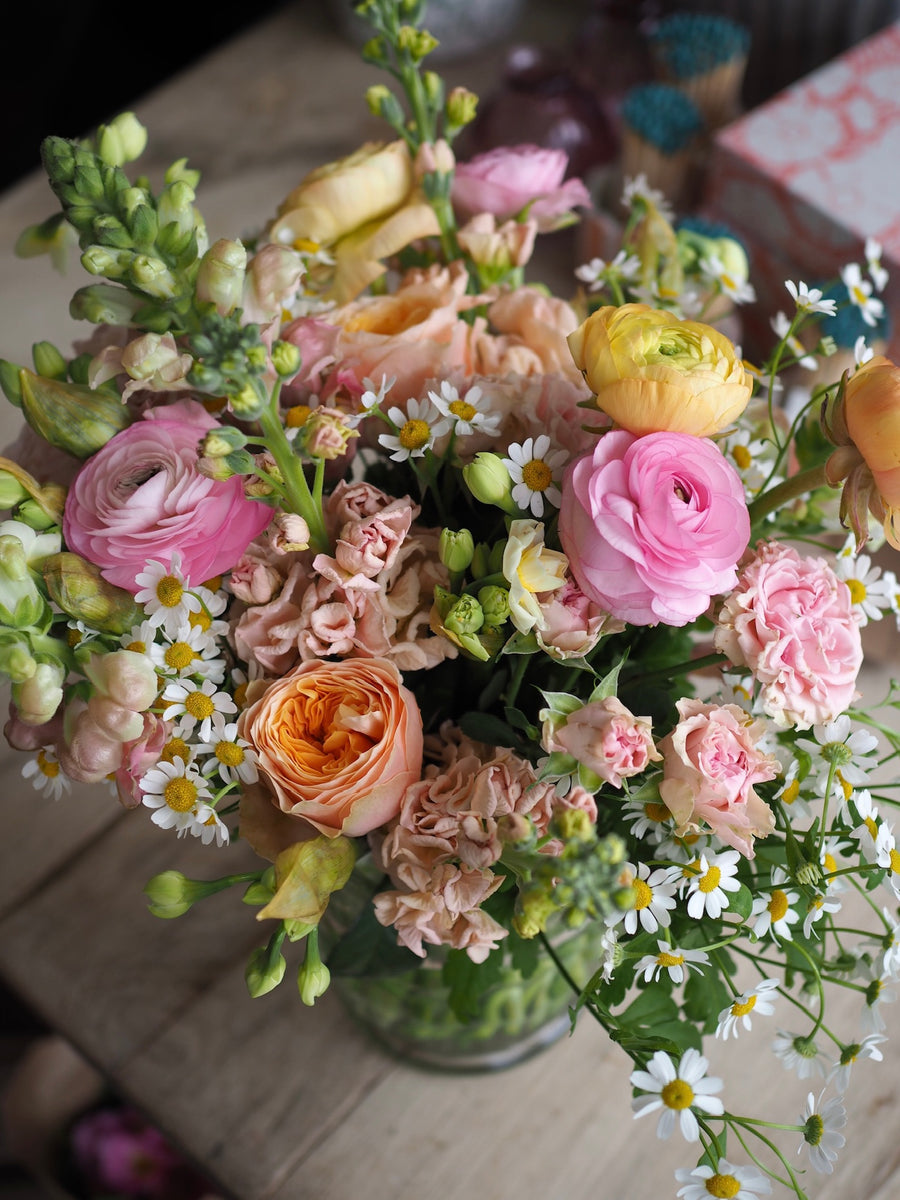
[338,743]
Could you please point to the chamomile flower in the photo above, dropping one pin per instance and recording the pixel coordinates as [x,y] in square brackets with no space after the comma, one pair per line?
[738,1183]
[872,252]
[816,908]
[875,837]
[749,455]
[861,351]
[371,399]
[417,430]
[195,705]
[707,882]
[191,653]
[638,189]
[649,819]
[469,413]
[772,913]
[821,1123]
[869,595]
[235,759]
[209,826]
[850,753]
[654,897]
[139,638]
[212,605]
[781,325]
[809,300]
[867,1048]
[46,774]
[789,795]
[737,290]
[670,958]
[800,1054]
[871,309]
[677,1091]
[596,273]
[876,995]
[177,793]
[534,469]
[163,591]
[758,999]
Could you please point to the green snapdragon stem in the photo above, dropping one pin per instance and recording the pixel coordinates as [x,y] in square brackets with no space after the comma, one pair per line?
[297,492]
[792,488]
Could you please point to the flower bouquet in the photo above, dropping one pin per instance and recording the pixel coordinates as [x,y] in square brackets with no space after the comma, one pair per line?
[518,636]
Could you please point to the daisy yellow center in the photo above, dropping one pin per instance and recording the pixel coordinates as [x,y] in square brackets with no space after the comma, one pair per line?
[213,585]
[778,905]
[643,895]
[47,766]
[297,416]
[536,475]
[180,794]
[169,591]
[740,1008]
[710,880]
[857,590]
[200,620]
[414,435]
[670,960]
[742,457]
[73,637]
[859,296]
[137,647]
[240,695]
[724,1187]
[210,820]
[656,812]
[199,705]
[463,410]
[229,754]
[813,1130]
[895,861]
[846,788]
[791,792]
[872,827]
[175,748]
[179,655]
[678,1094]
[829,864]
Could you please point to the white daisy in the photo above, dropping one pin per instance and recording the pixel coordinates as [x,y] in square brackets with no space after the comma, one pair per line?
[889,943]
[820,1125]
[860,292]
[649,819]
[850,753]
[638,189]
[872,253]
[654,898]
[177,793]
[417,430]
[789,794]
[677,1091]
[867,1048]
[373,397]
[235,759]
[816,908]
[748,454]
[876,995]
[469,413]
[740,291]
[707,882]
[598,271]
[875,837]
[139,638]
[738,1183]
[772,912]
[192,652]
[209,826]
[869,589]
[163,591]
[212,605]
[781,326]
[534,469]
[758,999]
[861,351]
[800,1054]
[670,958]
[192,703]
[809,300]
[46,774]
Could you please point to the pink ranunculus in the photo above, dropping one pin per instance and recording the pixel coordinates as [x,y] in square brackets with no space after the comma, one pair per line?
[790,620]
[141,497]
[608,739]
[711,763]
[505,179]
[653,526]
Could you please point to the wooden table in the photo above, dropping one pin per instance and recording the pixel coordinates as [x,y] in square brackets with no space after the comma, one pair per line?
[277,1102]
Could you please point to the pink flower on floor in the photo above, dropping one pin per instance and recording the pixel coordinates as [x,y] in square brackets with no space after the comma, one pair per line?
[790,621]
[505,179]
[141,497]
[653,526]
[711,765]
[607,738]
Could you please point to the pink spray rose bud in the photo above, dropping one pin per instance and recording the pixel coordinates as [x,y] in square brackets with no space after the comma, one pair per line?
[608,739]
[712,762]
[504,180]
[653,526]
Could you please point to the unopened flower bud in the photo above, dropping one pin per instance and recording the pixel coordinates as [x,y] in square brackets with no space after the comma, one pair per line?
[383,103]
[313,976]
[461,107]
[78,588]
[494,603]
[534,908]
[220,276]
[465,616]
[416,42]
[326,434]
[32,514]
[152,276]
[286,359]
[124,676]
[489,481]
[48,361]
[100,260]
[514,827]
[222,440]
[38,697]
[11,490]
[71,416]
[103,304]
[434,88]
[21,604]
[574,824]
[123,140]
[456,548]
[170,894]
[264,971]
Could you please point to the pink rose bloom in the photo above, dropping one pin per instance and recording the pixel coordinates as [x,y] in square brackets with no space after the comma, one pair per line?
[606,738]
[789,619]
[503,180]
[711,763]
[572,623]
[141,497]
[653,526]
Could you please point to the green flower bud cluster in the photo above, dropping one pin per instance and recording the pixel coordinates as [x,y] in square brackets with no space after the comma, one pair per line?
[222,454]
[229,360]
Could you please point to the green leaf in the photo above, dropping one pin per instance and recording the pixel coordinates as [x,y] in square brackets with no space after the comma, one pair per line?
[741,902]
[561,703]
[705,996]
[485,727]
[369,948]
[608,685]
[468,981]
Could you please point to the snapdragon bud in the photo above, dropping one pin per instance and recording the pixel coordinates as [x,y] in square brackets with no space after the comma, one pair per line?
[11,490]
[101,260]
[21,604]
[220,276]
[38,697]
[16,659]
[103,304]
[461,107]
[152,276]
[48,361]
[123,140]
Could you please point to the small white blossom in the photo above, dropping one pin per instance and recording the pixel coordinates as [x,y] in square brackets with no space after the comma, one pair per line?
[46,774]
[654,899]
[772,912]
[178,795]
[708,881]
[800,1054]
[195,705]
[781,325]
[677,1091]
[469,413]
[164,593]
[860,292]
[809,300]
[820,1125]
[639,189]
[670,958]
[872,254]
[867,1048]
[535,470]
[758,999]
[738,1183]
[417,430]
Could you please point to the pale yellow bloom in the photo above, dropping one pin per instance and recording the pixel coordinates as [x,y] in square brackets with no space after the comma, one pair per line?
[530,569]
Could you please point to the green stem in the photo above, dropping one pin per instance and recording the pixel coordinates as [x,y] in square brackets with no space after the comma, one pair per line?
[683,668]
[792,487]
[299,498]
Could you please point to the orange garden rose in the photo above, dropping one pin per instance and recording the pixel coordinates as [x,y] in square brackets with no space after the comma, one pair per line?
[872,416]
[338,743]
[653,373]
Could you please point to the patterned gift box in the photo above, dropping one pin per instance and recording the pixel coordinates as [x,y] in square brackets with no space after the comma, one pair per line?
[807,176]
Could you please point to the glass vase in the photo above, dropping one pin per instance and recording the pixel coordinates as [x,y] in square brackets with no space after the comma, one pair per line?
[410,1015]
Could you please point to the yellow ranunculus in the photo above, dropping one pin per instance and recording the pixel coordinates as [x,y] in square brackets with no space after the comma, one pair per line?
[360,209]
[652,372]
